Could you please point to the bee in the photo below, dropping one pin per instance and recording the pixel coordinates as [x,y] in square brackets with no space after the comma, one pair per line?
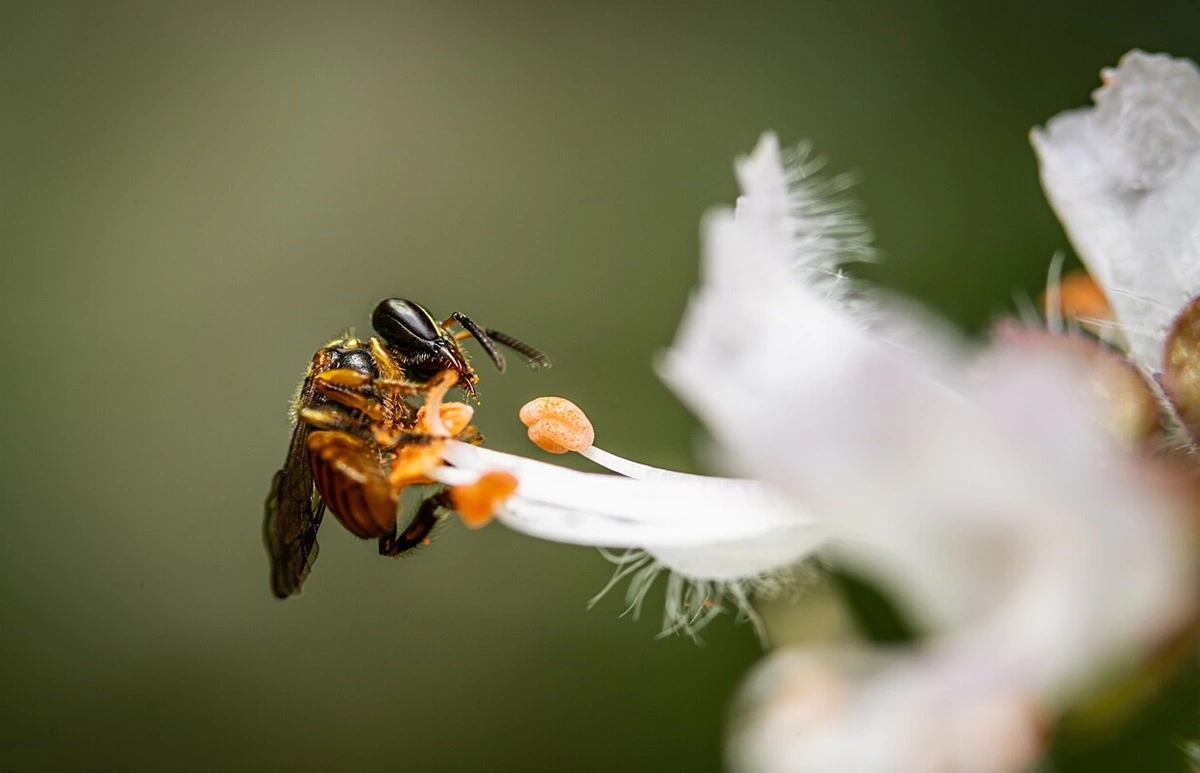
[353,416]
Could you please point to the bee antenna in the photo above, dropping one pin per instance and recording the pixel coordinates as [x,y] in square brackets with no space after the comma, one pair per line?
[533,356]
[482,337]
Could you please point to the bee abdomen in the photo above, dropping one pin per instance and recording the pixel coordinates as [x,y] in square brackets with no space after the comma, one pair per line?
[352,483]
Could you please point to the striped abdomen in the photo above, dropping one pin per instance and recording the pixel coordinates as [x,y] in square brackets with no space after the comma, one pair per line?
[352,483]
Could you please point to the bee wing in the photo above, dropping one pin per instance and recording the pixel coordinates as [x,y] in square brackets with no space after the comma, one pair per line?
[294,508]
[292,516]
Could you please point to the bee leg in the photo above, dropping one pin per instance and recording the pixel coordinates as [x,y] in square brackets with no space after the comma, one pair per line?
[400,386]
[350,388]
[323,418]
[419,529]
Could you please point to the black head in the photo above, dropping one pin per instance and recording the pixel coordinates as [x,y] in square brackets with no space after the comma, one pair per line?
[405,325]
[423,346]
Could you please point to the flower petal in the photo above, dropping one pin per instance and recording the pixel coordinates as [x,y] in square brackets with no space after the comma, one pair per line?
[809,217]
[1124,179]
[889,713]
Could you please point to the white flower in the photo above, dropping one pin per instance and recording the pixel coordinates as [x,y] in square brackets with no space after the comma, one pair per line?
[980,488]
[1040,555]
[1124,178]
[720,538]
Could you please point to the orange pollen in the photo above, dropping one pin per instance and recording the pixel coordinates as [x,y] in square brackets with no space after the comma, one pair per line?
[557,425]
[476,503]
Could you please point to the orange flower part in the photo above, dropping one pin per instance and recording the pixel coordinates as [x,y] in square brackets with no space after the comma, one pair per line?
[413,463]
[476,503]
[432,410]
[557,425]
[454,418]
[1079,297]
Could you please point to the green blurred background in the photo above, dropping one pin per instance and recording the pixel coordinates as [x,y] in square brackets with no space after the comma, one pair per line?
[195,196]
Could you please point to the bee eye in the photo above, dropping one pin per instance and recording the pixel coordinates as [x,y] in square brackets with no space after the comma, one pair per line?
[405,325]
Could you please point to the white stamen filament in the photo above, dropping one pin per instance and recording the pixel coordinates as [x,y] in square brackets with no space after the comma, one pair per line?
[637,470]
[660,508]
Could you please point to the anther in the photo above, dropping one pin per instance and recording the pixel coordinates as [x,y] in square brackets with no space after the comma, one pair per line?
[413,463]
[1079,297]
[437,421]
[454,419]
[557,425]
[477,502]
[433,403]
